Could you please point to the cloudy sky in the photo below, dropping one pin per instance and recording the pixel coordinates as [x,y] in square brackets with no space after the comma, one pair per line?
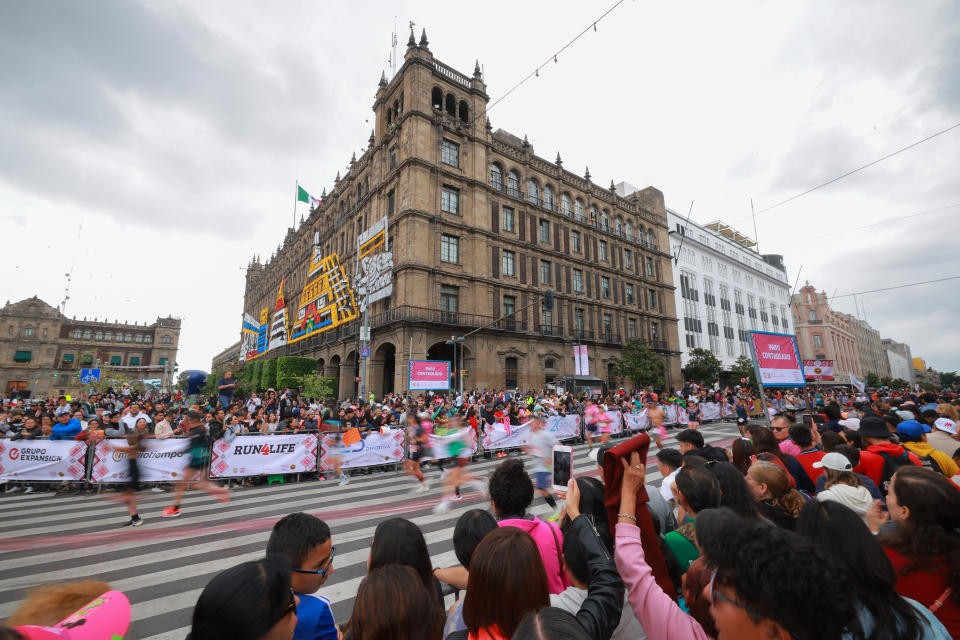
[153,147]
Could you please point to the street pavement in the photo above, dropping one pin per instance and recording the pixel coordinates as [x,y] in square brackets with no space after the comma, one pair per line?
[163,566]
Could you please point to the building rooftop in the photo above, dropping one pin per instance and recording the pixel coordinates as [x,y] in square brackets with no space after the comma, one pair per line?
[731,234]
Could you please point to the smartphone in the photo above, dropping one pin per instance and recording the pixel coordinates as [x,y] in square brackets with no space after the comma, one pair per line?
[562,466]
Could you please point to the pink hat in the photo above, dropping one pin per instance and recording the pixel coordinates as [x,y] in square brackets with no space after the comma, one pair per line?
[105,617]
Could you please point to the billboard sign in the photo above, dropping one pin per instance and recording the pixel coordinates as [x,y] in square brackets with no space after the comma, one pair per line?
[429,374]
[776,359]
[818,369]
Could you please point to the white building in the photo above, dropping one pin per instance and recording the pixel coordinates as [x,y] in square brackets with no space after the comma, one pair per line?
[724,288]
[900,367]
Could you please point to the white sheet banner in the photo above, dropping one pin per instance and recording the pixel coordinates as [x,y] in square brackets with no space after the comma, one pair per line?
[709,411]
[163,460]
[503,436]
[671,414]
[616,422]
[263,455]
[637,421]
[682,415]
[374,449]
[42,459]
[727,409]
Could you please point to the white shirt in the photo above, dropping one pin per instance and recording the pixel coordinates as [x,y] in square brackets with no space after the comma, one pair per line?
[129,421]
[252,404]
[666,487]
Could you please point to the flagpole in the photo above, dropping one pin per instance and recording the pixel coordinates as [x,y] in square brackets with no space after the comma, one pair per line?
[296,195]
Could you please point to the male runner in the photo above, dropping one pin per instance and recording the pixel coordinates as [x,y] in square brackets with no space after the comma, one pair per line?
[133,449]
[656,416]
[199,457]
[417,443]
[331,426]
[540,446]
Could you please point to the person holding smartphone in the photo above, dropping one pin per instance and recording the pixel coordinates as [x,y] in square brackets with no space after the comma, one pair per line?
[540,445]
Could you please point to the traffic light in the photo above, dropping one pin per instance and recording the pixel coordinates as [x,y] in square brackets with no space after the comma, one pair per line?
[548,300]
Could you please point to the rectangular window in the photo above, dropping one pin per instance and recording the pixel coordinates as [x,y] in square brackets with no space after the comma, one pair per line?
[813,316]
[578,280]
[449,249]
[449,297]
[607,323]
[654,331]
[652,298]
[67,358]
[390,202]
[603,249]
[578,320]
[450,153]
[138,337]
[22,356]
[818,342]
[393,157]
[628,259]
[450,199]
[134,361]
[650,267]
[547,319]
[509,305]
[629,294]
[605,286]
[86,359]
[116,360]
[632,327]
[544,272]
[508,264]
[575,241]
[507,222]
[545,231]
[162,361]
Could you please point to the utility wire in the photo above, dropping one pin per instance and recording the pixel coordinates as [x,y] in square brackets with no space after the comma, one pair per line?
[850,173]
[887,221]
[902,286]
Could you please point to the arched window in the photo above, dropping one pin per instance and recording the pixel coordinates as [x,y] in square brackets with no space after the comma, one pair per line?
[98,335]
[28,331]
[496,177]
[396,107]
[513,184]
[605,220]
[108,335]
[548,197]
[436,98]
[565,205]
[533,191]
[451,103]
[389,117]
[628,230]
[87,334]
[578,209]
[138,338]
[464,111]
[510,373]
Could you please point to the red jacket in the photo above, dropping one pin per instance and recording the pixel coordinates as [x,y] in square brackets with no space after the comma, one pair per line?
[807,458]
[925,586]
[871,462]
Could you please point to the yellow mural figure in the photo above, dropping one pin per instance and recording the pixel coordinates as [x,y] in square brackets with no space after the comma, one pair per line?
[326,302]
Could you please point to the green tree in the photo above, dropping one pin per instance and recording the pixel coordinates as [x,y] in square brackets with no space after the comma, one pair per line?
[268,380]
[873,380]
[899,383]
[743,368]
[640,364]
[949,378]
[313,386]
[210,387]
[292,369]
[703,367]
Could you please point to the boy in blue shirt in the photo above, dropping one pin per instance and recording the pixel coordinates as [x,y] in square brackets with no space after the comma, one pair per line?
[305,540]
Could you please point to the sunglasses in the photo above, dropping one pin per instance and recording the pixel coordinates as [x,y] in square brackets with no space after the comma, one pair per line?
[325,564]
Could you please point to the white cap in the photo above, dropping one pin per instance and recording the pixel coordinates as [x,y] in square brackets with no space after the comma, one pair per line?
[835,461]
[851,423]
[946,424]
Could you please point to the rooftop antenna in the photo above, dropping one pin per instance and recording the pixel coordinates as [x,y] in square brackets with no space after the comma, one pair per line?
[69,276]
[392,60]
[756,238]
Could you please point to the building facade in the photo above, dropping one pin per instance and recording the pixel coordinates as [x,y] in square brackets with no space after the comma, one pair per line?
[924,374]
[900,359]
[869,345]
[42,351]
[470,225]
[724,288]
[228,359]
[824,334]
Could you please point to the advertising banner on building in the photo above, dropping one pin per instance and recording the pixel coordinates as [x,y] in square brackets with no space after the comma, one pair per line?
[162,461]
[776,359]
[581,360]
[429,374]
[373,449]
[374,277]
[504,436]
[818,369]
[263,455]
[42,459]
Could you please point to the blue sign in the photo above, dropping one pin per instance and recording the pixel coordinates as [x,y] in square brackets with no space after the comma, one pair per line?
[365,352]
[89,375]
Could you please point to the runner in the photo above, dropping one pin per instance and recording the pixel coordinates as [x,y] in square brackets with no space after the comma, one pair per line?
[591,419]
[656,416]
[417,444]
[199,453]
[540,446]
[133,449]
[606,425]
[457,444]
[331,426]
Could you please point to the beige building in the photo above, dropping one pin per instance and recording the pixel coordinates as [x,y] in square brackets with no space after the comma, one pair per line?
[900,359]
[42,351]
[478,226]
[924,374]
[869,346]
[824,334]
[228,359]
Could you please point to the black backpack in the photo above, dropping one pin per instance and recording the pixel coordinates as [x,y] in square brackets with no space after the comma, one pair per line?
[890,466]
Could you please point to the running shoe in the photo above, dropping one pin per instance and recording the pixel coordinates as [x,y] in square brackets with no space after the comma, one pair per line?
[456,497]
[13,489]
[170,512]
[134,522]
[344,480]
[28,490]
[424,486]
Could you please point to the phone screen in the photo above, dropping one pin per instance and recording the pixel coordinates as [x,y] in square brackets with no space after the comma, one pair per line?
[562,467]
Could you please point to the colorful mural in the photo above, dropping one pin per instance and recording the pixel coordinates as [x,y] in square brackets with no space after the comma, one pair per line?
[248,337]
[326,302]
[278,329]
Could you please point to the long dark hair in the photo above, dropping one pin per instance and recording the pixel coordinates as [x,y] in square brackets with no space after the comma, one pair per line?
[592,503]
[399,541]
[393,604]
[243,602]
[929,536]
[742,450]
[765,441]
[700,488]
[841,534]
[507,581]
[550,623]
[734,492]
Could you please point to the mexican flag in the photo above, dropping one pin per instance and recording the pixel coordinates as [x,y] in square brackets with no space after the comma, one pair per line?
[303,196]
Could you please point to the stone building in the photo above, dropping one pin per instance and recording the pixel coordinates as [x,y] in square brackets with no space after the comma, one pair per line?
[823,334]
[869,344]
[42,351]
[478,226]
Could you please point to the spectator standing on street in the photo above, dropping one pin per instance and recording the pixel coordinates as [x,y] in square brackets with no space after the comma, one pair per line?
[225,388]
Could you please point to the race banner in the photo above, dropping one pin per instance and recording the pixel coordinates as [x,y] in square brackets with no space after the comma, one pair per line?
[682,415]
[263,455]
[709,411]
[818,369]
[163,460]
[616,422]
[637,421]
[776,359]
[373,449]
[503,436]
[42,459]
[670,411]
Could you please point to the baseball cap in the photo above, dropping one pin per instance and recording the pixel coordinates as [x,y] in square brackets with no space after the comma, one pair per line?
[106,616]
[946,424]
[851,423]
[912,428]
[874,427]
[905,415]
[835,461]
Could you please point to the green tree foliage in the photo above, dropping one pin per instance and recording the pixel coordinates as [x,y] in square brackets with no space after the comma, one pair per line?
[949,378]
[313,386]
[899,383]
[256,375]
[211,387]
[181,384]
[268,379]
[640,364]
[743,368]
[703,367]
[292,369]
[873,380]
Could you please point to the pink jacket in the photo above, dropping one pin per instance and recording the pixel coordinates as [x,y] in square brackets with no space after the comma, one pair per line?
[549,540]
[657,613]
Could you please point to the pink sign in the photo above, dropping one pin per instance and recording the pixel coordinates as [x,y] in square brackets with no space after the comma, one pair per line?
[429,374]
[777,359]
[818,369]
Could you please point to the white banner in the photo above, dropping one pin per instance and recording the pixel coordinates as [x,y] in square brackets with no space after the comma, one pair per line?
[616,422]
[709,411]
[263,455]
[163,460]
[42,459]
[637,421]
[373,449]
[727,409]
[670,411]
[503,436]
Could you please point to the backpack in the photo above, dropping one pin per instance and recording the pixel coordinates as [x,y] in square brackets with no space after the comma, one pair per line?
[890,466]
